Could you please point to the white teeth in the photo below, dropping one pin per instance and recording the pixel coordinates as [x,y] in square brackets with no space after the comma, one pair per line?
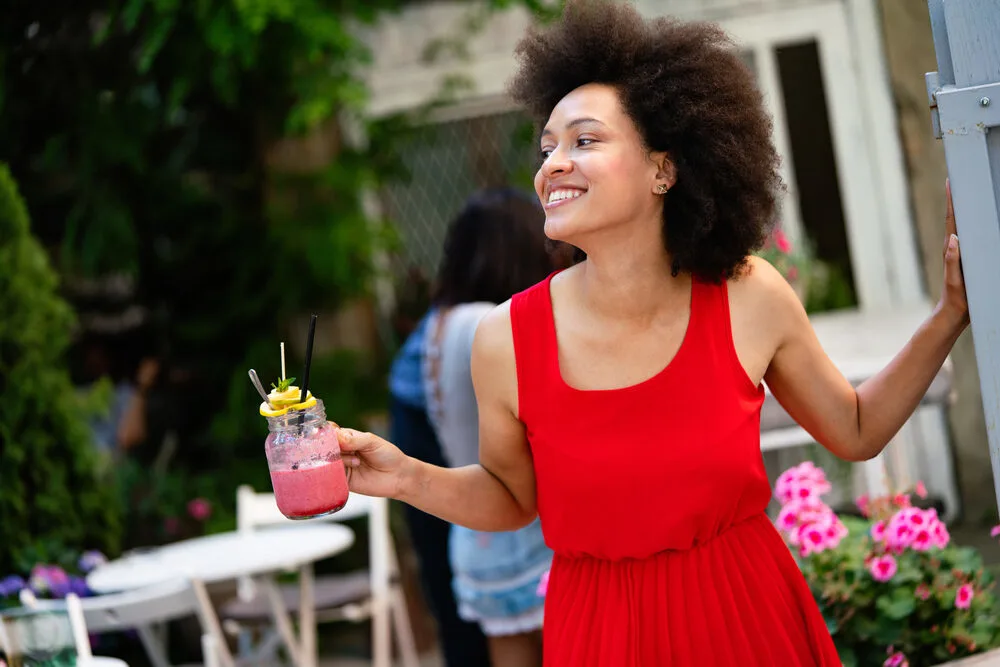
[559,195]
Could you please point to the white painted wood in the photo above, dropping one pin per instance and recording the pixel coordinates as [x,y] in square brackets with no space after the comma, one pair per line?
[141,609]
[967,39]
[766,66]
[876,100]
[386,606]
[79,626]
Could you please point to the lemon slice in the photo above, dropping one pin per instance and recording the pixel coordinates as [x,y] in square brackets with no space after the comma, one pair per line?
[283,399]
[266,411]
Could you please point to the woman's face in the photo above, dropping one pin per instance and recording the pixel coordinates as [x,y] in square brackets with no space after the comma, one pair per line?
[596,173]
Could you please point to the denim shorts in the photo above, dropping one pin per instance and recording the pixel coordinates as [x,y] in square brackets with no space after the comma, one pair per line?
[496,577]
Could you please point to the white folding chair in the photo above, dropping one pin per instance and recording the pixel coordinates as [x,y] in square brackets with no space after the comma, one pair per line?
[375,593]
[142,610]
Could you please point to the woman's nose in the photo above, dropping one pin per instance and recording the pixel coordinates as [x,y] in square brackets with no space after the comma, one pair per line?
[557,163]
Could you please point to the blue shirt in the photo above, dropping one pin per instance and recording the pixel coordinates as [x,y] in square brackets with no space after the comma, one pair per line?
[406,381]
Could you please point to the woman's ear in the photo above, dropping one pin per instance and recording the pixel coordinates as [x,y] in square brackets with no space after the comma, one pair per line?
[666,171]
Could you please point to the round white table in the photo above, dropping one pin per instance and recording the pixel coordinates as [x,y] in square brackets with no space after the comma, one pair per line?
[223,557]
[258,554]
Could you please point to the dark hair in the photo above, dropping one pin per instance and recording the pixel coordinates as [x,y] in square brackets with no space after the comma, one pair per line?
[689,94]
[495,248]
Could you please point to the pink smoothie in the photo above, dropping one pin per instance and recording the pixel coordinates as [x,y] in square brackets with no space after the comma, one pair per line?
[307,492]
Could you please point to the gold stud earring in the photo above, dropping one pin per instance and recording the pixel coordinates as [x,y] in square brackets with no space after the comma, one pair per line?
[661,189]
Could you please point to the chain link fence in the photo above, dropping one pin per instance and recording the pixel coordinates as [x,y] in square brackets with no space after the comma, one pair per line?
[446,162]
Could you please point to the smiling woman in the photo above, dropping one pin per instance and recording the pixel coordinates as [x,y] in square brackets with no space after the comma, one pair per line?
[619,400]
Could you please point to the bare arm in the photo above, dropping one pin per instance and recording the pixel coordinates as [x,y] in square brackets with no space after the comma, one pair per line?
[498,494]
[857,424]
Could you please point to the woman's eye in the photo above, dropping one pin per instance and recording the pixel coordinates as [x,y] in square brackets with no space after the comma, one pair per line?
[584,141]
[545,153]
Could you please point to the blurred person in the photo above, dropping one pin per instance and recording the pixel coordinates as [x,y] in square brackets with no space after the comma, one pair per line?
[494,248]
[462,642]
[619,400]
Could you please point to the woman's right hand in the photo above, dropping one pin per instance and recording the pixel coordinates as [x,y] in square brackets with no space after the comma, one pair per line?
[375,467]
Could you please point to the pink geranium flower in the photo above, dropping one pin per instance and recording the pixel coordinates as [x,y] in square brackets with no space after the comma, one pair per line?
[994,531]
[922,541]
[939,534]
[878,531]
[781,241]
[864,504]
[920,490]
[199,509]
[882,568]
[963,597]
[896,659]
[923,592]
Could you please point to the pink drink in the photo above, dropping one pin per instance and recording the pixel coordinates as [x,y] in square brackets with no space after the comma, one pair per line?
[303,456]
[310,491]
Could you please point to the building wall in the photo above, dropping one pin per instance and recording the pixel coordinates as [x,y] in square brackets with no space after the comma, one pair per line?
[910,53]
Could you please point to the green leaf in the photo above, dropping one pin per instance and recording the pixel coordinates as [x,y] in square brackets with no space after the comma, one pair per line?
[897,605]
[282,385]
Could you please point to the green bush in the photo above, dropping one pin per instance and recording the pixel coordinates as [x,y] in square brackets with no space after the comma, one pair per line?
[52,498]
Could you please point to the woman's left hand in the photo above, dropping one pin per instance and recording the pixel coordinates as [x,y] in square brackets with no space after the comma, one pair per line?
[953,303]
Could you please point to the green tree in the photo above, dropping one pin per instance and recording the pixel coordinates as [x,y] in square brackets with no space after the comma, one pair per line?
[53,499]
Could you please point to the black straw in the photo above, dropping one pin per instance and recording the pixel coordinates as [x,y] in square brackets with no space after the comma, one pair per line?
[309,356]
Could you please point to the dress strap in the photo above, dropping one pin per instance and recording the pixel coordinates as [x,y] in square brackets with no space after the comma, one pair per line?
[715,332]
[533,328]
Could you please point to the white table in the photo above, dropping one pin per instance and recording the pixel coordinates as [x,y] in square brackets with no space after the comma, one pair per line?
[259,554]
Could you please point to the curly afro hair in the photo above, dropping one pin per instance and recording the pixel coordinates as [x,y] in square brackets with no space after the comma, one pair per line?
[690,95]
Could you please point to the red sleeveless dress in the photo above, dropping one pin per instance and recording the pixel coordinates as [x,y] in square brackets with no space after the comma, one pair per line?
[652,498]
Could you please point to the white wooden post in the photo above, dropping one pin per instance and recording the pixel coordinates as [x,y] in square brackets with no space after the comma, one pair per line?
[965,106]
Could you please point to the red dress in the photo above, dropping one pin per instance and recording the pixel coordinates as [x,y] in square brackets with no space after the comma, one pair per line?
[652,498]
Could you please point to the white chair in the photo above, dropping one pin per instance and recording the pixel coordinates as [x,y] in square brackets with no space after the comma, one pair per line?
[142,610]
[374,593]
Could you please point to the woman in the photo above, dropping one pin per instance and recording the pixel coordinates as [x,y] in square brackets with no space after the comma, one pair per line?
[620,399]
[494,249]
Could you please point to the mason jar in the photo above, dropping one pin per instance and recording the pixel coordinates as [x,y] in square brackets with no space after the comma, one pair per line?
[303,456]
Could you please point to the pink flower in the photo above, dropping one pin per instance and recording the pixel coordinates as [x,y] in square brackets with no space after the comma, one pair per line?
[923,592]
[994,531]
[922,541]
[543,585]
[804,482]
[920,490]
[963,598]
[788,517]
[939,534]
[878,531]
[901,500]
[199,509]
[897,659]
[781,241]
[882,568]
[863,503]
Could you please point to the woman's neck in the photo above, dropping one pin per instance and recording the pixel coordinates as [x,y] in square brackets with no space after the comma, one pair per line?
[630,280]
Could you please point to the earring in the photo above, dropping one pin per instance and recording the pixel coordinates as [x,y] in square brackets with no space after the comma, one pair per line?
[661,189]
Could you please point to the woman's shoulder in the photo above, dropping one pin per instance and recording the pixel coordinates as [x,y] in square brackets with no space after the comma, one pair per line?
[760,284]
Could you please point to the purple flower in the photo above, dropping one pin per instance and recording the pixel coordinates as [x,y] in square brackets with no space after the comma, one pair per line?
[90,560]
[78,585]
[11,585]
[50,579]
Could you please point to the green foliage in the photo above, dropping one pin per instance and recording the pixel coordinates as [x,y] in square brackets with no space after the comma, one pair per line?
[282,385]
[53,499]
[151,137]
